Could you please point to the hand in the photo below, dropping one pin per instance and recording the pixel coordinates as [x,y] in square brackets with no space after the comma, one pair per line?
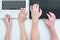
[35,12]
[22,15]
[51,20]
[7,21]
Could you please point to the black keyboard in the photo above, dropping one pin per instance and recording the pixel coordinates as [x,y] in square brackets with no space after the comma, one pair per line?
[46,6]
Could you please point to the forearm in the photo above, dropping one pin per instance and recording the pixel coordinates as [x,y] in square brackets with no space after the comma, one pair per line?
[53,34]
[23,32]
[34,31]
[7,36]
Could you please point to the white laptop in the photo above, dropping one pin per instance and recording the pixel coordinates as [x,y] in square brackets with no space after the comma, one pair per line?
[12,7]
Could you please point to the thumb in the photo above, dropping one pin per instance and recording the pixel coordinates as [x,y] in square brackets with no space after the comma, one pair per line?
[40,12]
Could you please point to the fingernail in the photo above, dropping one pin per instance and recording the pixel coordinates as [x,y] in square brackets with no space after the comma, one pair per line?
[21,8]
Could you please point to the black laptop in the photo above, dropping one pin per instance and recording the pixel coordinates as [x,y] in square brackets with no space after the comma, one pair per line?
[46,6]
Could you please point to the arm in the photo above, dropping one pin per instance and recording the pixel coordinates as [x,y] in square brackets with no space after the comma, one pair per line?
[7,21]
[35,13]
[23,32]
[53,34]
[50,23]
[7,36]
[22,17]
[35,32]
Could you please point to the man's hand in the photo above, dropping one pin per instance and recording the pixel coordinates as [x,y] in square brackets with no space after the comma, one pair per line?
[50,23]
[7,21]
[35,12]
[22,15]
[51,20]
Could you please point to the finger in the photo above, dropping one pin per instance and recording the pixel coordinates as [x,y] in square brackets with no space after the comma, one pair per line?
[9,18]
[40,11]
[22,9]
[37,6]
[25,13]
[52,15]
[31,8]
[18,14]
[34,6]
[5,17]
[49,17]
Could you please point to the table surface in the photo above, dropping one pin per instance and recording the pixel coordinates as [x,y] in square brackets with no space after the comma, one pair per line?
[15,29]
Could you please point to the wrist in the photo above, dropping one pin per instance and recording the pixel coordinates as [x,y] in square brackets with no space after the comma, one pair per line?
[8,30]
[51,28]
[21,23]
[34,24]
[35,20]
[8,27]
